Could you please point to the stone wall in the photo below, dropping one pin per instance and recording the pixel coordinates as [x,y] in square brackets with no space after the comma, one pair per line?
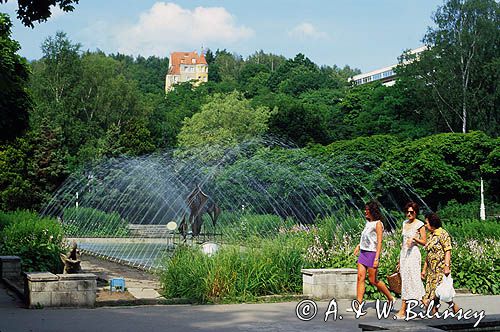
[327,284]
[10,267]
[46,289]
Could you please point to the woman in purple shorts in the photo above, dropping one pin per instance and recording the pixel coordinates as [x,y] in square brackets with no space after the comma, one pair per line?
[369,250]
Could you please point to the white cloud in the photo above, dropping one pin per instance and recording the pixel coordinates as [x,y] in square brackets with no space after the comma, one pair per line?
[55,12]
[306,30]
[167,27]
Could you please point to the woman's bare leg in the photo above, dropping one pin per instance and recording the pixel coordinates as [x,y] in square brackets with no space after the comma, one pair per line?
[360,289]
[372,276]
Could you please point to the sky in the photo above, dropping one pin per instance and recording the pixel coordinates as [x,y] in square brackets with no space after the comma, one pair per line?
[364,34]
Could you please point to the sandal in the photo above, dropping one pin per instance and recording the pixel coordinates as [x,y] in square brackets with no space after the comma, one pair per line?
[399,317]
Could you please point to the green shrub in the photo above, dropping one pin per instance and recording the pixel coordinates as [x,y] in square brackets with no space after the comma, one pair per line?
[272,265]
[455,213]
[93,223]
[38,241]
[234,273]
[7,218]
[475,229]
[476,266]
[240,226]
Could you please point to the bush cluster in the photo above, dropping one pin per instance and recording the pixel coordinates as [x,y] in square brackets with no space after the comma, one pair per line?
[93,223]
[234,274]
[37,240]
[272,265]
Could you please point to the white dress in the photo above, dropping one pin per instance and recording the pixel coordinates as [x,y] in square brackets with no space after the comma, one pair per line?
[410,262]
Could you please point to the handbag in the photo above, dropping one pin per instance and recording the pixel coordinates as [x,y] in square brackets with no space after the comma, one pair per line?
[394,281]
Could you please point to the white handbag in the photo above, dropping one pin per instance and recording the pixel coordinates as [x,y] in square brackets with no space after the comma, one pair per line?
[445,291]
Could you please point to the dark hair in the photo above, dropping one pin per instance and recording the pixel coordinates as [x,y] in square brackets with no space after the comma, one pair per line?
[413,205]
[434,220]
[374,210]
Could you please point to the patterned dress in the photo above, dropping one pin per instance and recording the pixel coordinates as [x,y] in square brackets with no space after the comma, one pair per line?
[410,262]
[438,243]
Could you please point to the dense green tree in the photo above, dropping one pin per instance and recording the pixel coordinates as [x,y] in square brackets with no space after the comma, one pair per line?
[29,11]
[136,138]
[257,85]
[490,171]
[14,100]
[47,163]
[438,167]
[249,70]
[298,122]
[224,66]
[371,109]
[224,120]
[89,96]
[292,68]
[149,72]
[15,187]
[107,96]
[458,75]
[165,121]
[32,168]
[270,61]
[54,86]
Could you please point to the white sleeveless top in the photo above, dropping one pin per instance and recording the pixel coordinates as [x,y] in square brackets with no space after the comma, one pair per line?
[369,236]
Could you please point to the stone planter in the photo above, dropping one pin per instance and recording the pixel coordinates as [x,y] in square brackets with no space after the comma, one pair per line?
[46,289]
[327,284]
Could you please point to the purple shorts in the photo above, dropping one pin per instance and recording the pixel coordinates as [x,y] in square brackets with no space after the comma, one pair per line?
[366,258]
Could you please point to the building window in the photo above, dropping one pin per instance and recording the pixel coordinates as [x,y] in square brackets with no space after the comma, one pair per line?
[388,73]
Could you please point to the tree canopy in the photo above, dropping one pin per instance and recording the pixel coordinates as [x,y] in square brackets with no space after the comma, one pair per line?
[85,106]
[29,11]
[224,120]
[460,69]
[14,72]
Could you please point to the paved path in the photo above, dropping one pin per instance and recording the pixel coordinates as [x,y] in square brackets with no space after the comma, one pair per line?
[140,284]
[236,317]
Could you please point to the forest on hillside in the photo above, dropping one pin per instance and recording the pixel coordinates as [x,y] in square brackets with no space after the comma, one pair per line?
[75,107]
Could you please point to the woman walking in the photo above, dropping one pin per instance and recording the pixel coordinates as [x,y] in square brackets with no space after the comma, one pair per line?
[438,260]
[369,250]
[410,259]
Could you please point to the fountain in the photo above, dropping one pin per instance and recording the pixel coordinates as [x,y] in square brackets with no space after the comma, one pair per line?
[120,208]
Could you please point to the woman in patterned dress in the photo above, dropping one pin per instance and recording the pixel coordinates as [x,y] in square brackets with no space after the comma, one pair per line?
[369,250]
[410,260]
[438,260]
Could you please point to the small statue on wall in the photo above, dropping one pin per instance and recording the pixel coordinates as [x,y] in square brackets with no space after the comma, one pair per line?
[72,262]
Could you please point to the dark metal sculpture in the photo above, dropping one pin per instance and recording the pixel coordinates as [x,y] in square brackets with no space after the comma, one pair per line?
[198,203]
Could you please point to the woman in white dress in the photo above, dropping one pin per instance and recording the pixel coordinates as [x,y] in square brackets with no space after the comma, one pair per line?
[410,260]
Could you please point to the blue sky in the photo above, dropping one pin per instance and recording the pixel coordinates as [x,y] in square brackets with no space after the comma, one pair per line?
[364,34]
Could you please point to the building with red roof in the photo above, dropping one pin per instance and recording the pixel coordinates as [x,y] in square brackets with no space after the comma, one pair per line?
[186,67]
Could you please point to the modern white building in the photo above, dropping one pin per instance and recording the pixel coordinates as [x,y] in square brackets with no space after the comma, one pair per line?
[386,75]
